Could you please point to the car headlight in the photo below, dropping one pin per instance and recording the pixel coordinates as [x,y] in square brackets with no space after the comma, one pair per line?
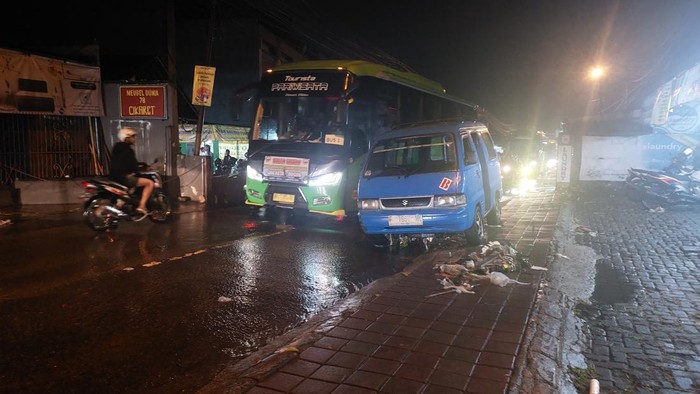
[368,205]
[506,168]
[253,174]
[450,200]
[528,169]
[331,179]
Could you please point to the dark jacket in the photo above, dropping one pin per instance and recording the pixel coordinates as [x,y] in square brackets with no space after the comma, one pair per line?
[123,162]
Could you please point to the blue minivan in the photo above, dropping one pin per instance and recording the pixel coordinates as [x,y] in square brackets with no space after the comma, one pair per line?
[429,181]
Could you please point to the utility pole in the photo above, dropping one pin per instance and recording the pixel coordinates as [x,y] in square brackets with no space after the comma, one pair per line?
[200,112]
[171,157]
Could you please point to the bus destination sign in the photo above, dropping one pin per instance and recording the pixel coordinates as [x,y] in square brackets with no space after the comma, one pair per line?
[314,84]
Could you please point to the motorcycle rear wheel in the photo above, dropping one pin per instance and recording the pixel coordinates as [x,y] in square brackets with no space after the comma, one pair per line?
[160,208]
[97,216]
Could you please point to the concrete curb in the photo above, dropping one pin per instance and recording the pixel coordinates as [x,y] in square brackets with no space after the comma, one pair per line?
[555,337]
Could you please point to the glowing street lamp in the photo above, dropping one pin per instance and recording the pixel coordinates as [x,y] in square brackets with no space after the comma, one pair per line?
[596,72]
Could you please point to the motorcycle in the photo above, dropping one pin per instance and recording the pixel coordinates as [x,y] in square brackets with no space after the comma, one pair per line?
[223,169]
[659,188]
[107,202]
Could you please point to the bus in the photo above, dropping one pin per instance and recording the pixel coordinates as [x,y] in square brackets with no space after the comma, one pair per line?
[314,124]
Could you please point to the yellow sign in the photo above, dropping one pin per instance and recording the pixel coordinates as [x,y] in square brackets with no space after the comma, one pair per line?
[203,85]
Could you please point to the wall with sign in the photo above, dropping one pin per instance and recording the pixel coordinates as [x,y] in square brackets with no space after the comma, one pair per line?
[153,127]
[31,84]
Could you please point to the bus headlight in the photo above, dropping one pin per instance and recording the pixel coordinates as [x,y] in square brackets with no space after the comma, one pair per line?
[450,200]
[369,205]
[253,174]
[331,179]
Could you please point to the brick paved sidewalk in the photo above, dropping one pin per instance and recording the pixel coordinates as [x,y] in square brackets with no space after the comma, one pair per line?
[394,339]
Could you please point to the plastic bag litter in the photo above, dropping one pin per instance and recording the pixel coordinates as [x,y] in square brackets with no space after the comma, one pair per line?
[5,222]
[500,279]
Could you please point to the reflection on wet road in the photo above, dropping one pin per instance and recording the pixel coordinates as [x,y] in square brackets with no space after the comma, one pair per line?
[162,308]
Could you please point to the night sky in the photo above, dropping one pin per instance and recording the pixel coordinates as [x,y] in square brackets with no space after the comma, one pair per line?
[525,61]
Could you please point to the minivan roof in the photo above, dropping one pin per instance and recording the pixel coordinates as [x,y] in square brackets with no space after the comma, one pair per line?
[433,126]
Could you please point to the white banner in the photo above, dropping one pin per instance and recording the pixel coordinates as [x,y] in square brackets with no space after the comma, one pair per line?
[32,84]
[564,155]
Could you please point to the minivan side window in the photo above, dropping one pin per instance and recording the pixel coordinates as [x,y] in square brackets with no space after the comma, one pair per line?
[469,152]
[490,146]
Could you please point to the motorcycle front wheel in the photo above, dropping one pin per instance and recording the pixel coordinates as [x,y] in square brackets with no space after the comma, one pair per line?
[97,216]
[160,208]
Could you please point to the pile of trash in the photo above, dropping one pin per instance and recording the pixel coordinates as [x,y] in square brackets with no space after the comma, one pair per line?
[488,263]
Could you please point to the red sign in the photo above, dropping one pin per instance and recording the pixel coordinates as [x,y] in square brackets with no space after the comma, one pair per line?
[139,101]
[445,183]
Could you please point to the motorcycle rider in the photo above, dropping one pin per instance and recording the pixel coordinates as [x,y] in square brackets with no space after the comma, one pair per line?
[123,168]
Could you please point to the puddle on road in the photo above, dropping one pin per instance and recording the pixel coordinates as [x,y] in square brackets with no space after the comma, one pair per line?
[611,285]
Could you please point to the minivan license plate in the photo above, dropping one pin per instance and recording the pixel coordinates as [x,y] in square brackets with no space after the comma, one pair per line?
[405,220]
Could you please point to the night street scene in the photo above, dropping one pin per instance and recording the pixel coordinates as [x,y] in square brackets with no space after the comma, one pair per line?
[267,196]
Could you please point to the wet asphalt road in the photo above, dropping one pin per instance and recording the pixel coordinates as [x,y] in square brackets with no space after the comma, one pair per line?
[162,308]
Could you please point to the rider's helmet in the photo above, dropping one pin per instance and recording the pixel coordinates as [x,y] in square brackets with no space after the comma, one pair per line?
[126,133]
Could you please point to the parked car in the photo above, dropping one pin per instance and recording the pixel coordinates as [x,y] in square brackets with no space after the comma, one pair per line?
[430,181]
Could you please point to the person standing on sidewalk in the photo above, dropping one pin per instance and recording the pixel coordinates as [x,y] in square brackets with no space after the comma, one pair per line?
[123,167]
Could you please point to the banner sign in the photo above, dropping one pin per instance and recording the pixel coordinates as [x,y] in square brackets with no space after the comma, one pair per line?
[564,156]
[203,85]
[32,84]
[142,101]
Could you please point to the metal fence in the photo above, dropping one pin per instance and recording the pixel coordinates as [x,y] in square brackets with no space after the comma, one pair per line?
[41,147]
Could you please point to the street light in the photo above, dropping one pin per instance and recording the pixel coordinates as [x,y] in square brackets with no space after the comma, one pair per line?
[596,72]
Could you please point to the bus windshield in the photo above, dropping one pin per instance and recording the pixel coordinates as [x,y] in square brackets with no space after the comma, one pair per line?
[311,119]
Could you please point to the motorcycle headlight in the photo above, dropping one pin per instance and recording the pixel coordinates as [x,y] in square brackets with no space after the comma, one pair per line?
[331,179]
[253,174]
[450,200]
[368,205]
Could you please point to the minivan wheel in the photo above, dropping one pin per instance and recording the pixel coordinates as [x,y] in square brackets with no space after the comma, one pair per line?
[476,234]
[494,217]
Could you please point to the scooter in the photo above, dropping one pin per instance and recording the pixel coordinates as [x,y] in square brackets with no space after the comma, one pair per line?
[107,202]
[659,188]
